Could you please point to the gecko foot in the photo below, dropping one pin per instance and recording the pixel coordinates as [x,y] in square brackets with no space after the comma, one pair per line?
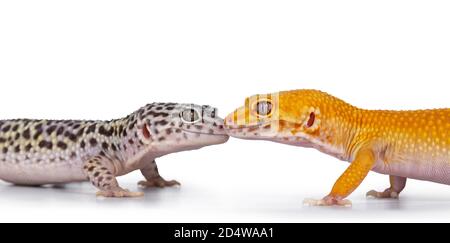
[119,193]
[388,193]
[158,182]
[327,201]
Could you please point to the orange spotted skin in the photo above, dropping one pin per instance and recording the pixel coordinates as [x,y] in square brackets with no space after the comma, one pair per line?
[402,144]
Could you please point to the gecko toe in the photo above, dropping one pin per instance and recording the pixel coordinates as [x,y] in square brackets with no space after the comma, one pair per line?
[388,193]
[158,182]
[327,201]
[119,193]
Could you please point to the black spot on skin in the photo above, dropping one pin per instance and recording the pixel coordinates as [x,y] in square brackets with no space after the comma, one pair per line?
[45,144]
[51,129]
[6,128]
[93,142]
[17,136]
[96,174]
[169,108]
[5,150]
[71,136]
[157,114]
[131,141]
[2,140]
[38,126]
[26,134]
[131,126]
[140,113]
[159,108]
[38,133]
[76,126]
[62,145]
[73,155]
[91,168]
[91,128]
[28,147]
[188,126]
[60,131]
[102,130]
[82,144]
[80,132]
[17,149]
[168,131]
[120,129]
[105,145]
[15,128]
[113,147]
[161,139]
[124,133]
[102,153]
[178,130]
[161,123]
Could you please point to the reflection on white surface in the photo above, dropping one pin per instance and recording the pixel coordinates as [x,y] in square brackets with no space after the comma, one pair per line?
[77,202]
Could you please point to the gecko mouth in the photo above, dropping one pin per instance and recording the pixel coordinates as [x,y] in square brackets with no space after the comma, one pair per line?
[210,134]
[246,127]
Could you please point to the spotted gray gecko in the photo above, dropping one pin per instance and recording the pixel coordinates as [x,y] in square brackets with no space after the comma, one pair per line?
[40,152]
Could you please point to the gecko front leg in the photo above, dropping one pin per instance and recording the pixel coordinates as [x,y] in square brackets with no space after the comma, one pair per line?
[153,179]
[99,171]
[398,183]
[348,181]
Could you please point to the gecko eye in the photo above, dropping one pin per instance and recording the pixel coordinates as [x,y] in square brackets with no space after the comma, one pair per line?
[264,108]
[190,116]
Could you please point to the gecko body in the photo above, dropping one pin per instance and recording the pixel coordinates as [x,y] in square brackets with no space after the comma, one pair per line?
[39,152]
[402,144]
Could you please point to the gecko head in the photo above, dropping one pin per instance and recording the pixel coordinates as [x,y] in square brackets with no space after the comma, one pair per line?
[176,127]
[287,116]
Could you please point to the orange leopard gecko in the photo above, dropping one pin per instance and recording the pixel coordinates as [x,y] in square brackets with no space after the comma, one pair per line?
[402,144]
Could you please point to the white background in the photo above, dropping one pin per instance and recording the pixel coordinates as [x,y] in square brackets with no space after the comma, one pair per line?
[104,59]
